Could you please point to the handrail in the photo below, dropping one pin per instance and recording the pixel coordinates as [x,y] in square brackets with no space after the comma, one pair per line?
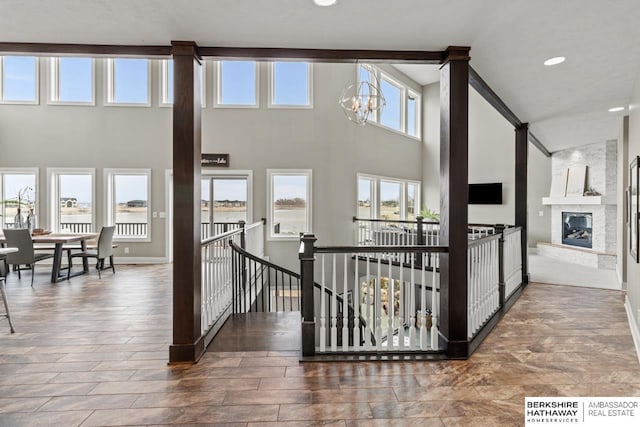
[485,239]
[222,236]
[374,249]
[399,221]
[512,229]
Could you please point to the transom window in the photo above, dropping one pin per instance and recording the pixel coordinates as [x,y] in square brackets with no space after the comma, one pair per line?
[128,203]
[290,85]
[387,198]
[166,83]
[19,79]
[402,110]
[128,81]
[18,193]
[72,81]
[289,203]
[72,200]
[236,84]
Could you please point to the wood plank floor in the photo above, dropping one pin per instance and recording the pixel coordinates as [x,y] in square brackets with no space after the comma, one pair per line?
[93,352]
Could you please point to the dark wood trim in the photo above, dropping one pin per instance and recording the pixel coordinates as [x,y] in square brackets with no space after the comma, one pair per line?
[492,98]
[454,197]
[323,55]
[496,102]
[539,145]
[84,49]
[522,154]
[188,344]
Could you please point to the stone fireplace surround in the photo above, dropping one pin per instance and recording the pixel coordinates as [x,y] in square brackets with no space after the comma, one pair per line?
[600,160]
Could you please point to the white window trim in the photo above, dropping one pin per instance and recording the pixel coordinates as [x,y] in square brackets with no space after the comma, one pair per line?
[53,197]
[270,174]
[373,196]
[54,84]
[418,99]
[37,84]
[404,90]
[239,174]
[21,171]
[110,87]
[218,88]
[404,194]
[109,203]
[271,75]
[164,84]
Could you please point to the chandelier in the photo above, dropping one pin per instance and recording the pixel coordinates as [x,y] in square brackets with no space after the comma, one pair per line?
[360,100]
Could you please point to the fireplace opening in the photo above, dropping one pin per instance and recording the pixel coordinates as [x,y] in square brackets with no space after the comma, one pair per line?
[577,229]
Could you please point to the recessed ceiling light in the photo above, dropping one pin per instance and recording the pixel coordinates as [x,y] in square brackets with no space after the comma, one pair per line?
[325,2]
[554,61]
[615,109]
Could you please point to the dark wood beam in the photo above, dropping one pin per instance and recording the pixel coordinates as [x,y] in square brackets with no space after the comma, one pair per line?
[188,344]
[522,155]
[48,49]
[496,102]
[539,145]
[324,55]
[454,197]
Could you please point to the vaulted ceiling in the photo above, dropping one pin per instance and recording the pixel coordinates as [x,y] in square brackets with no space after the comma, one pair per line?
[566,104]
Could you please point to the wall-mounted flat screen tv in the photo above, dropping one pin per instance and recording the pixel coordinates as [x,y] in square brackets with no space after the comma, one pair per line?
[485,194]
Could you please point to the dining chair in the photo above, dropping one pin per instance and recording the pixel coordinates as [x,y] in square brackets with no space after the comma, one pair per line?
[26,255]
[103,250]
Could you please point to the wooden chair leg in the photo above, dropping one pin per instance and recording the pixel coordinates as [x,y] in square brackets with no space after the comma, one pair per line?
[100,262]
[113,268]
[70,263]
[33,272]
[19,275]
[6,304]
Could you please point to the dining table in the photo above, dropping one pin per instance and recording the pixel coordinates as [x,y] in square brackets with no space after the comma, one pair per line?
[61,241]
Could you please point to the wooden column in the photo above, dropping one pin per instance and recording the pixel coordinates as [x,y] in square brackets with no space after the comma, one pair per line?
[454,198]
[522,154]
[188,344]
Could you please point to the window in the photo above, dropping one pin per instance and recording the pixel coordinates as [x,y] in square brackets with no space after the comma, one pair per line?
[402,110]
[290,85]
[128,82]
[366,190]
[289,203]
[128,203]
[19,79]
[236,84]
[231,192]
[387,198]
[72,200]
[72,81]
[166,83]
[18,189]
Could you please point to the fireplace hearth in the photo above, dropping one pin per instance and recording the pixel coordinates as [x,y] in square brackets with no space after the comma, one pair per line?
[577,229]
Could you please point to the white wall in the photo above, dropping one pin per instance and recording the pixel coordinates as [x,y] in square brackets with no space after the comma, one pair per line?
[321,139]
[538,186]
[633,268]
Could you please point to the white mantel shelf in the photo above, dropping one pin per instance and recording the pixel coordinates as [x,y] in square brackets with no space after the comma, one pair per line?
[584,200]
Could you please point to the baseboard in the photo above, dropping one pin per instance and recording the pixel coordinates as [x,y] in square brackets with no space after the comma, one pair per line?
[633,324]
[623,284]
[140,260]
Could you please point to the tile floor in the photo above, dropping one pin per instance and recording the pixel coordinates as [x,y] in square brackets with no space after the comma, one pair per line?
[93,353]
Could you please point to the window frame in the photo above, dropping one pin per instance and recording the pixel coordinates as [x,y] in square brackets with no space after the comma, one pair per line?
[163,91]
[36,101]
[405,91]
[53,194]
[404,194]
[54,83]
[20,171]
[272,88]
[109,99]
[109,175]
[217,86]
[234,174]
[271,173]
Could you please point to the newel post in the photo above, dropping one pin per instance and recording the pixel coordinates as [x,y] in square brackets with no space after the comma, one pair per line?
[522,154]
[307,260]
[243,235]
[420,239]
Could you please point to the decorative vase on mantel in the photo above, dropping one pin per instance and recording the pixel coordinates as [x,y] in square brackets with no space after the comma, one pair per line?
[18,220]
